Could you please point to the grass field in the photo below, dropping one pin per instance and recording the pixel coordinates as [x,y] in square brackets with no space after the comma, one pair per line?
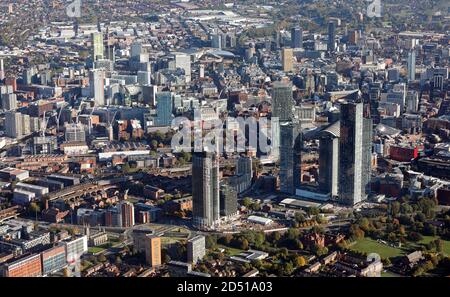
[368,246]
[427,239]
[95,249]
[389,274]
[231,251]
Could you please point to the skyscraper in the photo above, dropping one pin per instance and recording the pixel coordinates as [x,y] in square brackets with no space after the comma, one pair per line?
[2,70]
[287,55]
[297,37]
[331,36]
[205,189]
[216,41]
[13,124]
[228,200]
[329,159]
[183,61]
[412,65]
[97,46]
[164,107]
[282,101]
[97,86]
[354,154]
[290,165]
[9,101]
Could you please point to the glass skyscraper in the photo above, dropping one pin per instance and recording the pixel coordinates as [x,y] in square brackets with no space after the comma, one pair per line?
[297,37]
[164,106]
[354,154]
[331,36]
[290,165]
[282,101]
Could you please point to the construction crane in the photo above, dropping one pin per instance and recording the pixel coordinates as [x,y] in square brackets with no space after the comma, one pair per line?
[59,115]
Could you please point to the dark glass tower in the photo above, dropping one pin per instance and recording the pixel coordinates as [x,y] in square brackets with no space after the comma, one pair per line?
[354,154]
[331,36]
[290,164]
[282,101]
[297,37]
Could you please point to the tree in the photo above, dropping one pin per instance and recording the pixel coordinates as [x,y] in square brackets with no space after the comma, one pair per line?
[211,241]
[429,229]
[102,258]
[288,268]
[414,236]
[313,211]
[292,234]
[299,217]
[299,244]
[439,245]
[300,261]
[394,208]
[247,202]
[259,238]
[226,240]
[34,208]
[244,244]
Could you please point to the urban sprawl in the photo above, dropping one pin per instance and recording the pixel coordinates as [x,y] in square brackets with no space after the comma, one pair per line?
[224,138]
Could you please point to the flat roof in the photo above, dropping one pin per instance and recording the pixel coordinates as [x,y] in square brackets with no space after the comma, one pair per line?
[300,203]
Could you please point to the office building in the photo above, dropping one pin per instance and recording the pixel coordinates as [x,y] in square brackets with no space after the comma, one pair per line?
[13,124]
[2,70]
[53,260]
[144,78]
[153,250]
[228,201]
[412,102]
[205,189]
[354,149]
[29,266]
[282,101]
[75,248]
[411,65]
[164,107]
[196,249]
[97,46]
[244,171]
[331,37]
[216,41]
[297,37]
[113,217]
[183,61]
[290,165]
[287,57]
[329,159]
[9,101]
